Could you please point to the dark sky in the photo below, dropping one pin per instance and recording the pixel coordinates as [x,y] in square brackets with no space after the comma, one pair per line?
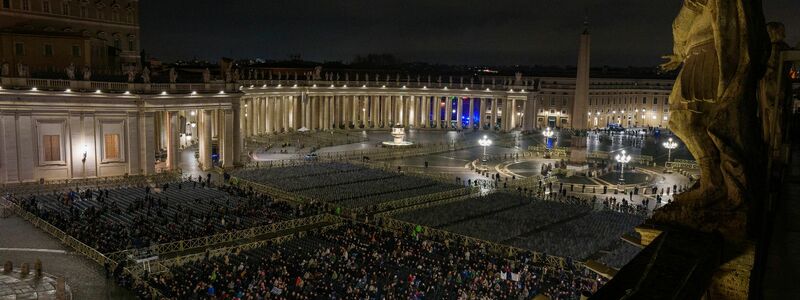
[497,32]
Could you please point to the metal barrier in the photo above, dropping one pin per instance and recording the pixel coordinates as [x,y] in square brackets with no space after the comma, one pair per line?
[682,164]
[222,238]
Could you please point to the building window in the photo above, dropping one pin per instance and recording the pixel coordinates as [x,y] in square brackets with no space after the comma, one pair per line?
[129,17]
[101,14]
[19,49]
[52,147]
[131,45]
[65,8]
[115,15]
[644,100]
[26,5]
[76,51]
[111,146]
[48,50]
[84,12]
[46,6]
[655,100]
[6,3]
[117,44]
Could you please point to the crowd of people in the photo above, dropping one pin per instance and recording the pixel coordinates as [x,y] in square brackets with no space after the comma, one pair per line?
[119,219]
[357,261]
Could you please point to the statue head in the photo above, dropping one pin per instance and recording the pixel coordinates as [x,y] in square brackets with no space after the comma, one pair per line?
[777,32]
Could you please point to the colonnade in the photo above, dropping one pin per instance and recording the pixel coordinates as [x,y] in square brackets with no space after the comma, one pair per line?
[266,114]
[203,126]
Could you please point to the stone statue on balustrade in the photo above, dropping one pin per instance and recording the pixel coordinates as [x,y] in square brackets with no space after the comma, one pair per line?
[517,78]
[206,75]
[87,73]
[5,69]
[146,75]
[317,71]
[131,72]
[173,75]
[236,75]
[70,70]
[722,46]
[22,70]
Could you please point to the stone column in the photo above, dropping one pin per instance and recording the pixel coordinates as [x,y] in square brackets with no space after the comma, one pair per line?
[285,112]
[204,124]
[437,111]
[459,112]
[426,107]
[471,119]
[269,121]
[238,140]
[307,111]
[412,111]
[146,146]
[514,116]
[173,157]
[262,119]
[226,143]
[482,113]
[493,123]
[356,109]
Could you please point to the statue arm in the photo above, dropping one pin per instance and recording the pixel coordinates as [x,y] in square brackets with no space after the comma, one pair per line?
[680,35]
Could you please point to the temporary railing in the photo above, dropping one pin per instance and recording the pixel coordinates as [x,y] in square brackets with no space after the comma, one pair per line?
[221,238]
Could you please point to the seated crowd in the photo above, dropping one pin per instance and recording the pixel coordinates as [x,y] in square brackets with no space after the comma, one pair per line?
[358,261]
[119,219]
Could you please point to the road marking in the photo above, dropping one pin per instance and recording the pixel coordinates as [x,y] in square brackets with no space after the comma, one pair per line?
[34,250]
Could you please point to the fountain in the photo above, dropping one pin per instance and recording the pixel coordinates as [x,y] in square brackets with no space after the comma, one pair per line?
[399,133]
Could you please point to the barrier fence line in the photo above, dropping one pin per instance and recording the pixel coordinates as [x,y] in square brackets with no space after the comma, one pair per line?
[394,212]
[221,238]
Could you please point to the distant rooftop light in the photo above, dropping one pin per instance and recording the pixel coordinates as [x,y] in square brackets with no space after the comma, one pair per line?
[98,91]
[34,89]
[222,92]
[194,93]
[164,93]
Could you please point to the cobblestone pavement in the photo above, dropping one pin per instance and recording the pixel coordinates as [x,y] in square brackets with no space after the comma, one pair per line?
[21,243]
[15,286]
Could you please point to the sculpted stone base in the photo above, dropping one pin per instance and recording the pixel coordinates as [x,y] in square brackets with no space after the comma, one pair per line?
[730,223]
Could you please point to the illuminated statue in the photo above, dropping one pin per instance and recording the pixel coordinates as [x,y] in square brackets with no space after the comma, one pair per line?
[721,45]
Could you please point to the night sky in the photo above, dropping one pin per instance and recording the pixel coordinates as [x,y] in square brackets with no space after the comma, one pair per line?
[544,32]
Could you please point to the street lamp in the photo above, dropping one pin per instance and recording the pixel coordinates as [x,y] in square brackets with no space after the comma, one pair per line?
[623,159]
[485,142]
[669,144]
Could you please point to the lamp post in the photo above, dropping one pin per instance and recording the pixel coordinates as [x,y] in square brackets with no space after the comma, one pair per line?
[623,159]
[485,142]
[548,133]
[669,144]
